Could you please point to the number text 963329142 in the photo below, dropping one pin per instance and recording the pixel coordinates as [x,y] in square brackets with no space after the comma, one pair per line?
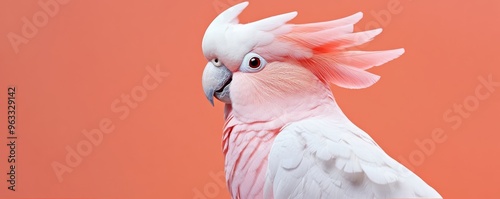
[11,138]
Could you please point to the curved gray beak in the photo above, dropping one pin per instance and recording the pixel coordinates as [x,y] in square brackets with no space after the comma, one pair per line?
[216,81]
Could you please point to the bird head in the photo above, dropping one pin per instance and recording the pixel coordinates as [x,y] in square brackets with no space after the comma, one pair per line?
[271,64]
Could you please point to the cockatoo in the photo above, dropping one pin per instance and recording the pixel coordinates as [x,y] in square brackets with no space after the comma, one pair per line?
[284,135]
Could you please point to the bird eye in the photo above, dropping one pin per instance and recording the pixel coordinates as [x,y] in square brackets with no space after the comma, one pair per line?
[216,62]
[252,62]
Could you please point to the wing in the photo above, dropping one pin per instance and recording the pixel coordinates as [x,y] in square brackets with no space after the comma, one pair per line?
[326,157]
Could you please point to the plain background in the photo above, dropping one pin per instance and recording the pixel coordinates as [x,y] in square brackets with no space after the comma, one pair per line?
[91,52]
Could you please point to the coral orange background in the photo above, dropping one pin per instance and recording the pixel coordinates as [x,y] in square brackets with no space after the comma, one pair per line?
[91,52]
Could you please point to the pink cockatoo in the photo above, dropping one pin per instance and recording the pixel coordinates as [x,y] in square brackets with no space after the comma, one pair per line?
[284,135]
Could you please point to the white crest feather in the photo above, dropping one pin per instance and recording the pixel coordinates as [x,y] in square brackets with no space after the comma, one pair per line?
[231,14]
[274,22]
[229,41]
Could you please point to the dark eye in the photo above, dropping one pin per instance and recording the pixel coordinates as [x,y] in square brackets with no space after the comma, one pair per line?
[216,62]
[254,62]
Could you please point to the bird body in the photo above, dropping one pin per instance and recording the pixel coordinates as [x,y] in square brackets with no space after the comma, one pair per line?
[284,135]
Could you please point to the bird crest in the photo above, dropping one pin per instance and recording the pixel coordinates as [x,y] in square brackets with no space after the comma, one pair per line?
[323,47]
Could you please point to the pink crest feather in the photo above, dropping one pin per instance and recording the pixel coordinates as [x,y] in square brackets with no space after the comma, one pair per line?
[323,48]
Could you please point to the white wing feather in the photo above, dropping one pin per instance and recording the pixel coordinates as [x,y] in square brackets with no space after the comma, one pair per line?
[328,157]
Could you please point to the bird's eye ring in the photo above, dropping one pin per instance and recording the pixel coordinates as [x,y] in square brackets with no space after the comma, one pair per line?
[252,63]
[216,62]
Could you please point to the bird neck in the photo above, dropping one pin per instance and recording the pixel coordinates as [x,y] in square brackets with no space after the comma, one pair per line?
[311,102]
